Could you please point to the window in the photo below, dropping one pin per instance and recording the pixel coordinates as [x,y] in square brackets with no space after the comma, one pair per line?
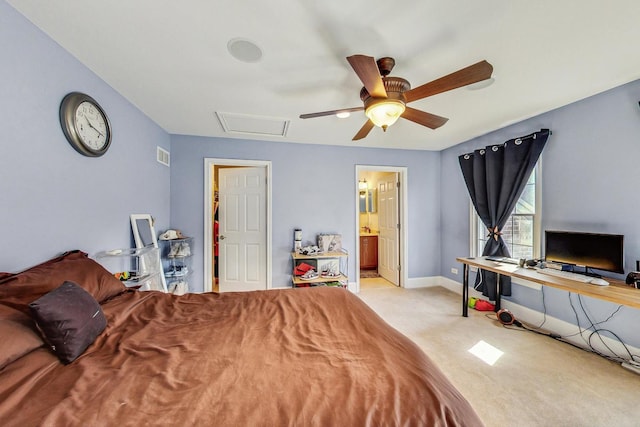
[521,232]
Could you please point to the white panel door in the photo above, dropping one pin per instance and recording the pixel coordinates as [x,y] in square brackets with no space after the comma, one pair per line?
[388,239]
[242,229]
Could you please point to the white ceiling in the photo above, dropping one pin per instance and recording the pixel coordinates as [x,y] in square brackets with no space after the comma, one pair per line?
[170,59]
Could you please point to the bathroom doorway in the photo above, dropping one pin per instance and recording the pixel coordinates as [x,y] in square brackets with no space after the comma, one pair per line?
[380,213]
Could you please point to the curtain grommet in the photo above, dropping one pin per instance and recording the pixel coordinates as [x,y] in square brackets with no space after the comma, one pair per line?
[518,141]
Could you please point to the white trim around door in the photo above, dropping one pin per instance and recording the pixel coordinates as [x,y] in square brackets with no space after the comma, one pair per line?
[403,216]
[209,164]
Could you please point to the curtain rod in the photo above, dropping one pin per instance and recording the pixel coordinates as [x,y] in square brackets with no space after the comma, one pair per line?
[531,135]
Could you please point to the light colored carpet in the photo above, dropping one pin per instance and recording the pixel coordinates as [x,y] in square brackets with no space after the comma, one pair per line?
[537,382]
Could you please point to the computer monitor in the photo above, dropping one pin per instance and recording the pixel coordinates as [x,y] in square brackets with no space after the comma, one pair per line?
[590,250]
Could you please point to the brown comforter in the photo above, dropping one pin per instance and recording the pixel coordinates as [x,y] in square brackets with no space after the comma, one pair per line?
[298,357]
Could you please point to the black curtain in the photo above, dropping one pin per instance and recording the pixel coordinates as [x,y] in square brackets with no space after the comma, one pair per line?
[496,176]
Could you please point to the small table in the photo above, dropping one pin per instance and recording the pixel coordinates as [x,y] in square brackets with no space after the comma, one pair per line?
[617,292]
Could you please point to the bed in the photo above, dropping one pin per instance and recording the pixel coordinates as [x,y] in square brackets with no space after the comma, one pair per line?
[288,357]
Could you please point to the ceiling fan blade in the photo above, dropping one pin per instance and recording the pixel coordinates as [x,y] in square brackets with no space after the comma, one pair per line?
[367,70]
[423,118]
[330,113]
[472,74]
[364,130]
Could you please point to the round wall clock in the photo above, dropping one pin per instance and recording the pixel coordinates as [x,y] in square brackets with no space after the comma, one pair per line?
[85,124]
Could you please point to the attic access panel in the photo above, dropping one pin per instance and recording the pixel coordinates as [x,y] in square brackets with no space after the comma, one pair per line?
[253,125]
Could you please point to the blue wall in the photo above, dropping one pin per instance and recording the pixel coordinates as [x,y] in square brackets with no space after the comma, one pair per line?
[52,198]
[314,189]
[590,178]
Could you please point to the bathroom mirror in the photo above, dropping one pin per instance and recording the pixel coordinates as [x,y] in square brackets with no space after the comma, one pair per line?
[367,200]
[372,203]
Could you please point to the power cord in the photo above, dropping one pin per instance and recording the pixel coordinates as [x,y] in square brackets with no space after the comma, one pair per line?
[596,331]
[536,329]
[525,328]
[597,323]
[544,310]
[519,326]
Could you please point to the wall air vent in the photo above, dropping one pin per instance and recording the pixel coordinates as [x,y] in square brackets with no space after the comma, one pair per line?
[253,125]
[163,156]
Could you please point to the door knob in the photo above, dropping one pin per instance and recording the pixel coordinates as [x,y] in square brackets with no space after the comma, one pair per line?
[221,237]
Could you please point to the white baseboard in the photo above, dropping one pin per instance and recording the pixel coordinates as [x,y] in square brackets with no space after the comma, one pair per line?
[551,324]
[353,287]
[631,367]
[424,282]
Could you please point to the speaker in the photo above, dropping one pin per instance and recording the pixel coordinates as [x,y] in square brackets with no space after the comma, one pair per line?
[507,318]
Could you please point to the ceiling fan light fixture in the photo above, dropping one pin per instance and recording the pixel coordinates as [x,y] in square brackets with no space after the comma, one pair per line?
[385,112]
[343,114]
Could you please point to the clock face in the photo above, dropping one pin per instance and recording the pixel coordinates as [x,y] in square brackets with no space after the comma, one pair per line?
[91,126]
[85,125]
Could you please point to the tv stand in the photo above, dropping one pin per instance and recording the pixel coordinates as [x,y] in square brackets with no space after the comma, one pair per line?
[617,292]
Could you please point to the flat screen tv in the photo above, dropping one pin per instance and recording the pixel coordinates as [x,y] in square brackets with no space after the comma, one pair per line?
[590,250]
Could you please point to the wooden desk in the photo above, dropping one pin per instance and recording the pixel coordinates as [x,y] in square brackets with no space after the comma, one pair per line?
[617,292]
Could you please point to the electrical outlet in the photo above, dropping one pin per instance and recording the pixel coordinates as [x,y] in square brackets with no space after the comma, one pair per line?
[454,270]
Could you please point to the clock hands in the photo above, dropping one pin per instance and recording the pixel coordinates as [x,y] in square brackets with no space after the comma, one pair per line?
[92,126]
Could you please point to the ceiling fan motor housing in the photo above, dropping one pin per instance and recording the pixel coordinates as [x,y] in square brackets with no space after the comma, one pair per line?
[395,87]
[385,65]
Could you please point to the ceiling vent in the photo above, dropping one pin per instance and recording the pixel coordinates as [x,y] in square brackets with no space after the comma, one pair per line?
[253,125]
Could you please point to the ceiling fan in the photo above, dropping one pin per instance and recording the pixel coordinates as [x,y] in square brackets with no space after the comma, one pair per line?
[385,98]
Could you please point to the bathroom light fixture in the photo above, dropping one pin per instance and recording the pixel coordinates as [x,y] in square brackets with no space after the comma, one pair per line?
[384,112]
[362,188]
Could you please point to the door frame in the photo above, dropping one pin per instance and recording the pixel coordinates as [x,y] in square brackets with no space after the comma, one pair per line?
[209,164]
[403,216]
